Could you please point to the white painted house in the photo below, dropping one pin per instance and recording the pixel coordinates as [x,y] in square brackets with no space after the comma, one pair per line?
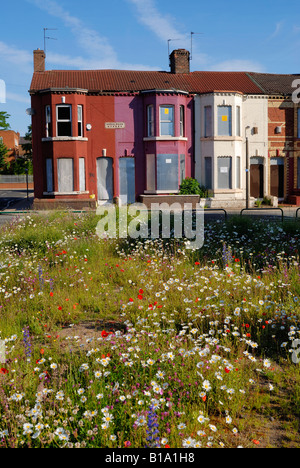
[223,120]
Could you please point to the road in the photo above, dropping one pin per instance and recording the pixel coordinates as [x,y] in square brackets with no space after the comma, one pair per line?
[9,197]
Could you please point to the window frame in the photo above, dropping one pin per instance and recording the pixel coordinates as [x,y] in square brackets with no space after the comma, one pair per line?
[80,122]
[182,120]
[222,133]
[48,121]
[58,121]
[150,121]
[167,121]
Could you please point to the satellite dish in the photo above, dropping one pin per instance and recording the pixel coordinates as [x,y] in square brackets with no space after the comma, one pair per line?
[30,111]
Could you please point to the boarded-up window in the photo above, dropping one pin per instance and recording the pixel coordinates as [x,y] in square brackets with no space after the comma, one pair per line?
[208,172]
[238,121]
[182,167]
[167,172]
[65,174]
[225,173]
[82,174]
[207,121]
[49,175]
[224,121]
[151,170]
[238,172]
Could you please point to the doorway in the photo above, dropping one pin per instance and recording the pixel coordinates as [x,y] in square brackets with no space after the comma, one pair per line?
[127,180]
[257,177]
[105,179]
[277,177]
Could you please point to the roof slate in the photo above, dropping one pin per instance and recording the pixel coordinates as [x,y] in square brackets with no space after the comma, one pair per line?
[274,83]
[135,81]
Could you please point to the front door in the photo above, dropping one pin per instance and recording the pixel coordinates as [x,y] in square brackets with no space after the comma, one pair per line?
[257,178]
[127,180]
[277,177]
[105,178]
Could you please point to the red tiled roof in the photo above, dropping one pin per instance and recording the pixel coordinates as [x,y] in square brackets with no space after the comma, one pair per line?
[127,80]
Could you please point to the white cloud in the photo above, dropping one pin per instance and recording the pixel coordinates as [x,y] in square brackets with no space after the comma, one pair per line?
[98,52]
[278,29]
[21,59]
[164,27]
[17,97]
[238,65]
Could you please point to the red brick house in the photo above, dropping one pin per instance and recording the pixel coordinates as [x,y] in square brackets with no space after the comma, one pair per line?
[284,135]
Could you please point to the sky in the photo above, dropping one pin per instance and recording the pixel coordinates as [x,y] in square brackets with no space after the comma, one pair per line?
[259,36]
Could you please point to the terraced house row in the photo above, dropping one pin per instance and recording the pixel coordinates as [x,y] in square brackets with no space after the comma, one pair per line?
[104,135]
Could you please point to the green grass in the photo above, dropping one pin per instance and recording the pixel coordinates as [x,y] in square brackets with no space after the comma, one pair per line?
[207,342]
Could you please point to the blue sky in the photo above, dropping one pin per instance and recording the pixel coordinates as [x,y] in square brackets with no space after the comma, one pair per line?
[261,36]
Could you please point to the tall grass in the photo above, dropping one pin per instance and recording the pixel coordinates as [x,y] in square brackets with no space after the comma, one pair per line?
[139,342]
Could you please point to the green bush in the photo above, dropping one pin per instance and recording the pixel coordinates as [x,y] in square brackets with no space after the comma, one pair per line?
[191,186]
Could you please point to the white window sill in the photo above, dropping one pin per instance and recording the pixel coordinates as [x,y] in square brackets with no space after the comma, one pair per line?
[165,138]
[66,193]
[65,138]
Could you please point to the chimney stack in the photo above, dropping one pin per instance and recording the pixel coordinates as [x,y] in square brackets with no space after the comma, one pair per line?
[39,57]
[180,61]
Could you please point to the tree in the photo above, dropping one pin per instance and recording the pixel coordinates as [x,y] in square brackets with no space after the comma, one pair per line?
[4,125]
[27,146]
[3,154]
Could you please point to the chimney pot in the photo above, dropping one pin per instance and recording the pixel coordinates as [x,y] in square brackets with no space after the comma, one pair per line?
[180,61]
[39,57]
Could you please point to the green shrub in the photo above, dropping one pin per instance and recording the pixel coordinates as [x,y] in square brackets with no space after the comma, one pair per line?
[191,186]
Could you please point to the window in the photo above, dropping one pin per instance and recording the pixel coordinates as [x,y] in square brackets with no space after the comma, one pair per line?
[225,173]
[167,172]
[48,121]
[65,173]
[182,168]
[166,120]
[150,167]
[224,121]
[208,172]
[238,121]
[238,172]
[182,123]
[207,121]
[150,121]
[81,174]
[49,175]
[64,120]
[80,122]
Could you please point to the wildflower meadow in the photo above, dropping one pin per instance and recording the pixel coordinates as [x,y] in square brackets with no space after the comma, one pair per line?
[143,343]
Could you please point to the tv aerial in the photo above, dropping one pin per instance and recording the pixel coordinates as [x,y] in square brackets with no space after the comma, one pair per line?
[48,37]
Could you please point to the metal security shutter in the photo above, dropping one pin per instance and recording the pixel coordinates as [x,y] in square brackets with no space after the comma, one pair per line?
[105,178]
[167,172]
[225,173]
[127,180]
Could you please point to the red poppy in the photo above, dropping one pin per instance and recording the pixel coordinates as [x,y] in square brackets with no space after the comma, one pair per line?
[3,370]
[60,308]
[51,294]
[130,299]
[140,297]
[227,370]
[141,291]
[167,446]
[42,351]
[104,334]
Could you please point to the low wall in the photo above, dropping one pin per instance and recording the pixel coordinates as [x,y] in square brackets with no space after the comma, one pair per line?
[148,200]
